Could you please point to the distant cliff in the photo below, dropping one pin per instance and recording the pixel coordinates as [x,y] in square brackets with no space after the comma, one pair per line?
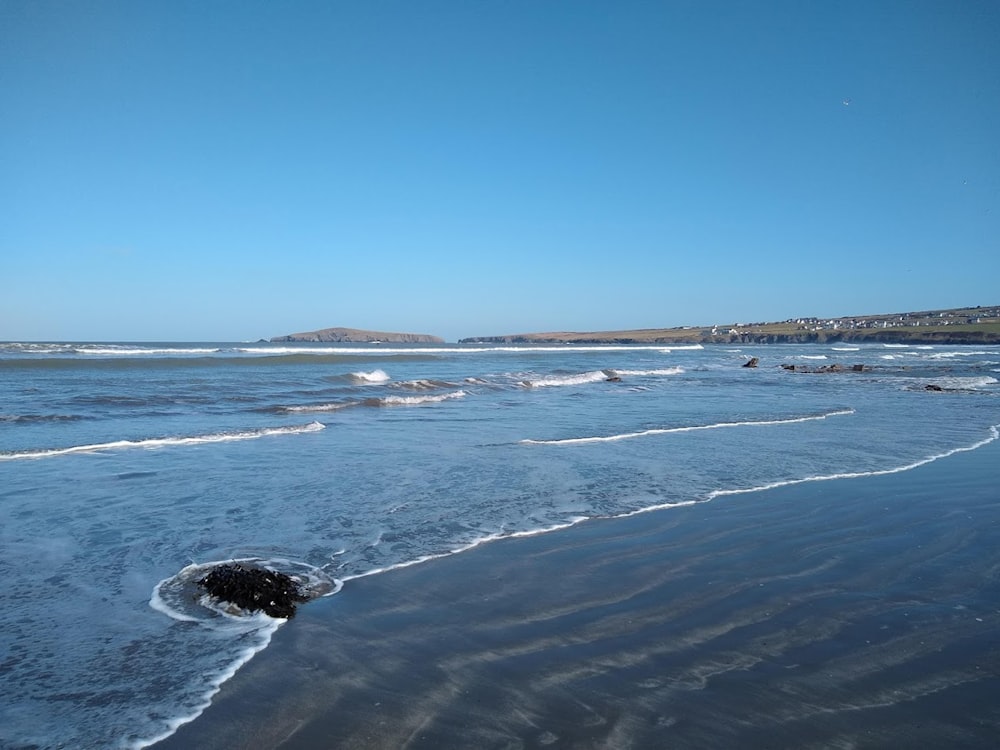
[354,335]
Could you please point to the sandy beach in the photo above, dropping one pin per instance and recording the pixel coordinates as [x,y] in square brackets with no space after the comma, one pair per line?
[848,613]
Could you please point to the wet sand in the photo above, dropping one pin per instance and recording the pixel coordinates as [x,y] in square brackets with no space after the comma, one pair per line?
[850,613]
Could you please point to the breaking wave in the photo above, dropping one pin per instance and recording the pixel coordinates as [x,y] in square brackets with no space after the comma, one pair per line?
[641,373]
[375,376]
[576,379]
[415,400]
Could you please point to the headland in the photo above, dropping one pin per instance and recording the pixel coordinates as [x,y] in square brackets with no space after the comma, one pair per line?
[966,325]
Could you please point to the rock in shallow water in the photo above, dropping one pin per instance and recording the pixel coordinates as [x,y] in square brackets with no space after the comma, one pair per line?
[254,589]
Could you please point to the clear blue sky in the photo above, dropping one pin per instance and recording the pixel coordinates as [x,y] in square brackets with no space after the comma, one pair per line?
[237,170]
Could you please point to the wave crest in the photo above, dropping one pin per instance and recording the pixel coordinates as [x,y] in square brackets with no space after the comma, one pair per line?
[576,379]
[416,400]
[373,377]
[222,437]
[692,428]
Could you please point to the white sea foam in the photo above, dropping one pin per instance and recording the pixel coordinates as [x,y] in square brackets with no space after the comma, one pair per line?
[417,400]
[264,635]
[425,384]
[687,348]
[813,356]
[576,379]
[895,346]
[375,376]
[334,406]
[693,428]
[646,373]
[846,348]
[150,443]
[951,355]
[994,434]
[471,545]
[284,350]
[115,351]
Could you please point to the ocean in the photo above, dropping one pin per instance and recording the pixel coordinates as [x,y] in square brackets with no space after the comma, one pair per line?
[126,470]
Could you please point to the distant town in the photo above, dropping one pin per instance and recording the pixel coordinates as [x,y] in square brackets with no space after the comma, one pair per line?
[966,325]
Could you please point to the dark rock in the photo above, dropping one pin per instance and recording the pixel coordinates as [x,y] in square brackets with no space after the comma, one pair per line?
[252,588]
[835,367]
[933,387]
[752,362]
[614,379]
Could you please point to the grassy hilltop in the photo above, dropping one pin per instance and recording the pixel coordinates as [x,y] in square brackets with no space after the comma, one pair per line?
[967,325]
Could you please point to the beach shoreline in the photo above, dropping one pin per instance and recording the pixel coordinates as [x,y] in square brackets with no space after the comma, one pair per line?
[854,612]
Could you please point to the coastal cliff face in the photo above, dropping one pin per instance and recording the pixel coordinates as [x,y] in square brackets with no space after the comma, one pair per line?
[357,336]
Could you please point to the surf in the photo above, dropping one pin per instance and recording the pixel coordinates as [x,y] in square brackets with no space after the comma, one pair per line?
[166,442]
[690,428]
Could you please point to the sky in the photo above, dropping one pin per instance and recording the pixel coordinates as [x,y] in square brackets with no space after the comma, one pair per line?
[230,171]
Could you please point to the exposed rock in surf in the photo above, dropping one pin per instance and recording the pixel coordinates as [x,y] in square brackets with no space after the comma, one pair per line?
[254,589]
[614,378]
[752,362]
[933,387]
[825,368]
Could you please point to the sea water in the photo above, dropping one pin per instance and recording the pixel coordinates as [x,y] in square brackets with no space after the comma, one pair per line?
[126,470]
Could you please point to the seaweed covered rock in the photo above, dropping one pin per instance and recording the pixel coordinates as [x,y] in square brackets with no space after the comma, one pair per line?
[252,588]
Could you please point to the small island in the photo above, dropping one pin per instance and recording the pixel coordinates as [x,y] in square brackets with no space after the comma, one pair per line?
[358,336]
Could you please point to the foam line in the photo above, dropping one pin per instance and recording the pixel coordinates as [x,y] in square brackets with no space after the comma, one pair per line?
[466,547]
[222,437]
[994,431]
[670,430]
[215,685]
